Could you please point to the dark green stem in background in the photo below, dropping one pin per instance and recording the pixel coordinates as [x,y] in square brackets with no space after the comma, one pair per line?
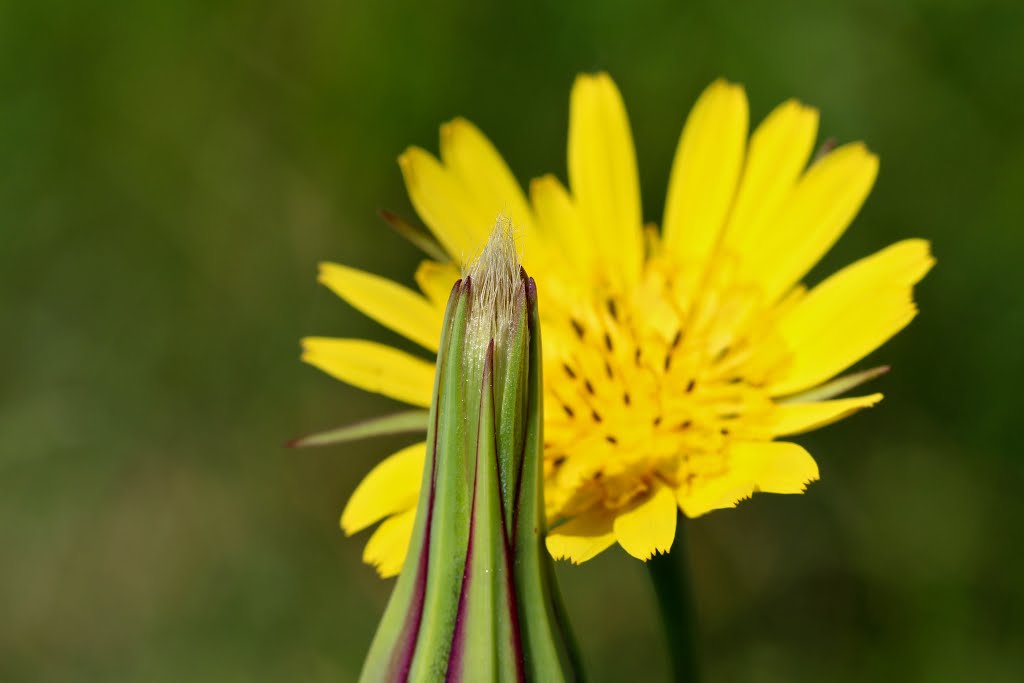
[670,576]
[572,647]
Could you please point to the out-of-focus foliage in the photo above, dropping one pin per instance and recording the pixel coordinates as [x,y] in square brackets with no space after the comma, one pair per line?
[170,174]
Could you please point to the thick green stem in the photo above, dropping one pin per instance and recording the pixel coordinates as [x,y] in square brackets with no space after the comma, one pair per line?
[670,576]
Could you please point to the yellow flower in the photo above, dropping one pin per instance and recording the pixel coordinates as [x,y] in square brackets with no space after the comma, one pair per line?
[673,362]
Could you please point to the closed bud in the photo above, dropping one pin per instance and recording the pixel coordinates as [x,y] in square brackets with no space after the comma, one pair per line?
[476,599]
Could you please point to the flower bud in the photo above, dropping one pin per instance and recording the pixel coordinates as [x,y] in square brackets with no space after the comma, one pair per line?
[476,599]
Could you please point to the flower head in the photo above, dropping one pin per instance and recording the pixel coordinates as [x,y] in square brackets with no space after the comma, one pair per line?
[675,361]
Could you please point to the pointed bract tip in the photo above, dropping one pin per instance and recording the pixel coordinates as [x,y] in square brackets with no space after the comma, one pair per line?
[531,291]
[488,363]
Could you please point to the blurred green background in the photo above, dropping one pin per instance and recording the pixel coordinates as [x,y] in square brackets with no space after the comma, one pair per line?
[172,172]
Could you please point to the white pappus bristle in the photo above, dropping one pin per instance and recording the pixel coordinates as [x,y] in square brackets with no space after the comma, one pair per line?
[496,282]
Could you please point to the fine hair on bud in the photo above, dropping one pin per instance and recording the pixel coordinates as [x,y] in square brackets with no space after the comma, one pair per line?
[496,281]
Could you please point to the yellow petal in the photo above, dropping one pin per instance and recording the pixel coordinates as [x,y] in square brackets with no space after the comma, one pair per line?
[770,466]
[818,211]
[484,175]
[559,221]
[373,367]
[390,487]
[648,528]
[851,314]
[442,203]
[387,302]
[582,537]
[796,418]
[778,152]
[705,172]
[436,281]
[388,545]
[603,176]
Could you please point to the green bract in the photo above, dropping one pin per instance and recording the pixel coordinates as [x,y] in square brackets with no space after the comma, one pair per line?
[476,599]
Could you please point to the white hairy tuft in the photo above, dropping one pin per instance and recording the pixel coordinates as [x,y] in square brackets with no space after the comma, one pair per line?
[495,284]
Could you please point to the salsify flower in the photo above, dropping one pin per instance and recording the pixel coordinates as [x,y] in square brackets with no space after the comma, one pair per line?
[677,363]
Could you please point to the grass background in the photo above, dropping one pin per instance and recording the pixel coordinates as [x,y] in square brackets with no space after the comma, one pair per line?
[171,173]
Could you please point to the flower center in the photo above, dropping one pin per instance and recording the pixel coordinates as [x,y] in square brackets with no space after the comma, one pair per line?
[652,385]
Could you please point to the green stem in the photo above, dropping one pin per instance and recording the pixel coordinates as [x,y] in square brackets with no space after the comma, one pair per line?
[670,576]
